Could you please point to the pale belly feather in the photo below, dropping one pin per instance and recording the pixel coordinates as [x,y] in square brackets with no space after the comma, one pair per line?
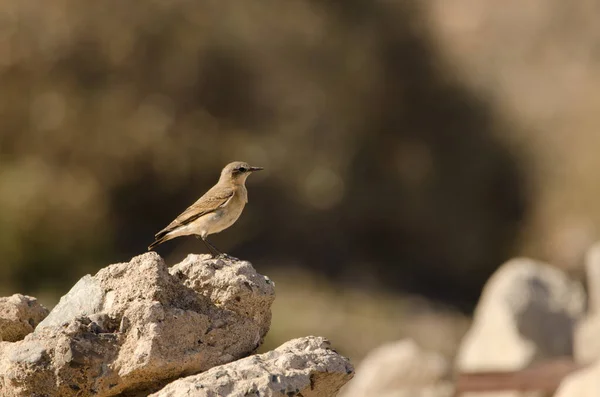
[214,222]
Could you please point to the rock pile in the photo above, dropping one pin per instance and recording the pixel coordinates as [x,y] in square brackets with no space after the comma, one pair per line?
[135,327]
[141,328]
[532,335]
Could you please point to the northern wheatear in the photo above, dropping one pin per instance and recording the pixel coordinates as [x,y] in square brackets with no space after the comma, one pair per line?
[218,209]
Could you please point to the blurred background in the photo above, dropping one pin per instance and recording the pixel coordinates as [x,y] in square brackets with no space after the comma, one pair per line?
[410,147]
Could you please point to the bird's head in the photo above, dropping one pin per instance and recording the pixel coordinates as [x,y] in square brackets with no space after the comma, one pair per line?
[238,171]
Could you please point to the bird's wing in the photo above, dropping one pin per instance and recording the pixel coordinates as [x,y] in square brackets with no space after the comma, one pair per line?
[214,199]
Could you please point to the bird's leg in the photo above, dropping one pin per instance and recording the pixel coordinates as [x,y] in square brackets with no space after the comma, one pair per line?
[213,251]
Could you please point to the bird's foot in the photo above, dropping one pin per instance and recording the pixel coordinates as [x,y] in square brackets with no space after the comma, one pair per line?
[224,256]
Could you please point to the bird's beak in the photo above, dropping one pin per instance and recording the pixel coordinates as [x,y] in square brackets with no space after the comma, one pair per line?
[252,169]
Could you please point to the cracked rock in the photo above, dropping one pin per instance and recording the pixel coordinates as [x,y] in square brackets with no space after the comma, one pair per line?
[303,367]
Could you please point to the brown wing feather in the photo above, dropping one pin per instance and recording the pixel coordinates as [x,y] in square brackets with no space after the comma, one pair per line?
[211,201]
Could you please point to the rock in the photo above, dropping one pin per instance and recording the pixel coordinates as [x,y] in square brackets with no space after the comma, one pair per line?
[19,315]
[592,268]
[134,326]
[85,297]
[301,367]
[583,383]
[587,343]
[526,314]
[401,369]
[238,289]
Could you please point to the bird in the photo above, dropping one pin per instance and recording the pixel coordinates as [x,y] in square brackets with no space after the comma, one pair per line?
[215,211]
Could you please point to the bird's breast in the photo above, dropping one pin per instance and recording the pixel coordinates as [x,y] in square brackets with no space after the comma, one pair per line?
[224,217]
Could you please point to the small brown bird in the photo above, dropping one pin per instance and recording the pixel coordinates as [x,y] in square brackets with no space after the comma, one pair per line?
[215,211]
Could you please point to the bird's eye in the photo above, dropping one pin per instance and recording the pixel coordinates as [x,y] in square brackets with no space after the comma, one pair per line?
[242,169]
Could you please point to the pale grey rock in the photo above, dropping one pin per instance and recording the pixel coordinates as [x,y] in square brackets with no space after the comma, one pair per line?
[527,313]
[401,369]
[28,353]
[19,315]
[301,367]
[141,326]
[85,298]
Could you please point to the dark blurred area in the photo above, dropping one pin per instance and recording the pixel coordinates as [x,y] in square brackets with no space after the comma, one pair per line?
[411,147]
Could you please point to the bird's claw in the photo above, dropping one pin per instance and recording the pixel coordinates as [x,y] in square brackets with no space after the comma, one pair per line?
[224,256]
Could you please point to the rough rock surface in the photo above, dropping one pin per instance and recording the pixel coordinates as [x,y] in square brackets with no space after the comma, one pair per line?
[402,369]
[587,343]
[19,315]
[527,313]
[137,325]
[301,367]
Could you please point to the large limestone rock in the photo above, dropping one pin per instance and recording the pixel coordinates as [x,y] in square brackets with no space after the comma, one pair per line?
[402,369]
[305,367]
[19,315]
[527,313]
[137,325]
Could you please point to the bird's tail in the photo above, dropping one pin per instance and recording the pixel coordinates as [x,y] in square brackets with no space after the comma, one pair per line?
[157,242]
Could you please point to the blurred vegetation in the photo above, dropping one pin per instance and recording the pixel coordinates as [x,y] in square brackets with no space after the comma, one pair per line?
[410,146]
